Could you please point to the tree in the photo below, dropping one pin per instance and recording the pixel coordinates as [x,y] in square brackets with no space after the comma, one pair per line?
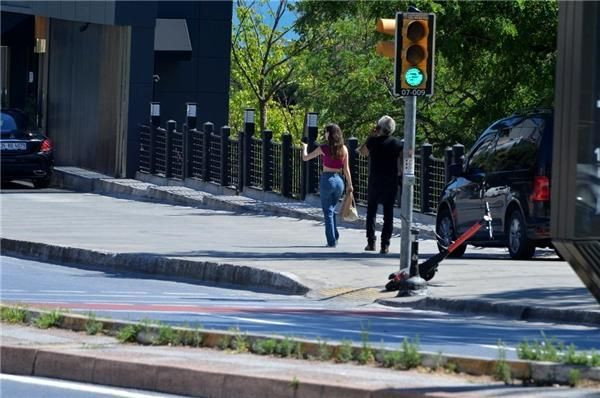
[262,58]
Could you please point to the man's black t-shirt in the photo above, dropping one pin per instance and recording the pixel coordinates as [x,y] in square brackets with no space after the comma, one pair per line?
[383,154]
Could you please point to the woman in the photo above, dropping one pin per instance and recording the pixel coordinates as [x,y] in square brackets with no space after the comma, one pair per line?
[331,186]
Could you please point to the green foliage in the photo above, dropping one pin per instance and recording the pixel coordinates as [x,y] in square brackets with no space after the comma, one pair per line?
[574,377]
[264,346]
[324,352]
[407,357]
[49,319]
[92,326]
[285,347]
[129,333]
[451,367]
[240,341]
[187,337]
[166,335]
[502,370]
[552,351]
[14,314]
[365,355]
[344,352]
[295,383]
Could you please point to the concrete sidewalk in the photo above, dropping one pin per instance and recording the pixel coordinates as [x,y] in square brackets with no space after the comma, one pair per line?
[250,245]
[205,372]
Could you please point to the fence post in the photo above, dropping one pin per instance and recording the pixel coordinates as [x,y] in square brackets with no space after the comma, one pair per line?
[426,151]
[267,160]
[447,163]
[249,127]
[191,114]
[312,171]
[171,126]
[207,129]
[353,163]
[286,164]
[241,173]
[458,151]
[189,127]
[154,124]
[225,131]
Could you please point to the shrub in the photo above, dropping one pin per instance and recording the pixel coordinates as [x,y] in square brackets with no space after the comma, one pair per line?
[344,352]
[324,352]
[166,335]
[128,333]
[92,326]
[502,369]
[265,347]
[15,314]
[285,347]
[192,338]
[574,377]
[49,319]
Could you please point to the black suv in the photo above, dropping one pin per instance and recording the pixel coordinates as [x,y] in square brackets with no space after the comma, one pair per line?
[509,168]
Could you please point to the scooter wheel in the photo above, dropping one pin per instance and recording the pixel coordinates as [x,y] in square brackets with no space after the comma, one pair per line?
[392,285]
[429,274]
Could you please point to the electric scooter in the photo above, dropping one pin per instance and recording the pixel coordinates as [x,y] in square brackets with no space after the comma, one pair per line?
[429,267]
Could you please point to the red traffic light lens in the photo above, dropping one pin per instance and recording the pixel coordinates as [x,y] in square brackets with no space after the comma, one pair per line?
[416,30]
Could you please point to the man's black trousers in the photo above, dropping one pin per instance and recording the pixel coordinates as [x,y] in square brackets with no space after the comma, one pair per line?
[381,190]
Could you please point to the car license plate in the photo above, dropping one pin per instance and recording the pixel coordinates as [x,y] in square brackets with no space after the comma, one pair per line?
[13,146]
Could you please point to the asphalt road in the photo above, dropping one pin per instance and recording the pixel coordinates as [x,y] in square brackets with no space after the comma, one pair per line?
[177,302]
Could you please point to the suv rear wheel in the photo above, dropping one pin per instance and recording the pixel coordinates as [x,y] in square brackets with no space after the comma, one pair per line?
[519,247]
[444,228]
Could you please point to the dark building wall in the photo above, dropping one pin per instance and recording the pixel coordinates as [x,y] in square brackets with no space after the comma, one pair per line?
[17,35]
[86,100]
[100,12]
[204,77]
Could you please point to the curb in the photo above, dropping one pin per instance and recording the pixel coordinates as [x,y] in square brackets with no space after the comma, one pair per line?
[205,271]
[19,360]
[515,311]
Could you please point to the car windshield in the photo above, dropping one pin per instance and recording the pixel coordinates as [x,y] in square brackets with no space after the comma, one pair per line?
[7,123]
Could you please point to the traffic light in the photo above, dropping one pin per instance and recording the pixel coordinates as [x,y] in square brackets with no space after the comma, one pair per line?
[414,63]
[388,27]
[413,51]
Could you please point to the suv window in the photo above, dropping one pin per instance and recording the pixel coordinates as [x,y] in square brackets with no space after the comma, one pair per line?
[517,146]
[481,155]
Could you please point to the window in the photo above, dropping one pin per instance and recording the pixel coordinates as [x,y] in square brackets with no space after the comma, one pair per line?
[517,146]
[481,154]
[7,123]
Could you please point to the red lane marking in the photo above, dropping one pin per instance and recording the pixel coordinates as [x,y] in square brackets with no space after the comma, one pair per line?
[206,309]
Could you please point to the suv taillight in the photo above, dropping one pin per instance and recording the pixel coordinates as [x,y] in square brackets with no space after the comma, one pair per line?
[541,189]
[46,145]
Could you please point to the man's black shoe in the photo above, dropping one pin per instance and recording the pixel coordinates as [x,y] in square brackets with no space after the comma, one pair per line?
[385,249]
[370,247]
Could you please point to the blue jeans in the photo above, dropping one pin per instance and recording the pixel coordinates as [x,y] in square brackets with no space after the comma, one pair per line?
[331,188]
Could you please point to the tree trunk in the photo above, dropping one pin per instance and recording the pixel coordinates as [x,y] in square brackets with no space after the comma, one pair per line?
[262,105]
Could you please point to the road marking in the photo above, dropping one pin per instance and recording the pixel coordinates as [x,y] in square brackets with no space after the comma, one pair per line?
[76,386]
[123,292]
[64,291]
[184,294]
[11,290]
[261,321]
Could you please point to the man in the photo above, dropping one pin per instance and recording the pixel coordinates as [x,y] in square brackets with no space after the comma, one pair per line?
[384,152]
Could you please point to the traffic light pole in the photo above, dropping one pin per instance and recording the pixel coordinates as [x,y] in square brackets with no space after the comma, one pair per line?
[415,285]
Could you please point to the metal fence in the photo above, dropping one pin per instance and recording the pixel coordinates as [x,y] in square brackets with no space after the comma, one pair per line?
[262,163]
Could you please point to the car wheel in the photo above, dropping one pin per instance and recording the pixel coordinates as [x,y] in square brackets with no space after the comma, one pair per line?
[519,247]
[444,228]
[42,182]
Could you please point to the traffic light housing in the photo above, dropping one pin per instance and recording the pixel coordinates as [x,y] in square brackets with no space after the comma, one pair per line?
[413,51]
[414,72]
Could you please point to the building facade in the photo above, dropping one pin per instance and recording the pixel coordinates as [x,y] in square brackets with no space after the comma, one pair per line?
[86,71]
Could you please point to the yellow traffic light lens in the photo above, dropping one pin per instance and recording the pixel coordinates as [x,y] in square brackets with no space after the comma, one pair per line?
[415,54]
[416,30]
[414,77]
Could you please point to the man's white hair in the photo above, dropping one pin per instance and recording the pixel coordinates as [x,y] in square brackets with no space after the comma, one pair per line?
[387,125]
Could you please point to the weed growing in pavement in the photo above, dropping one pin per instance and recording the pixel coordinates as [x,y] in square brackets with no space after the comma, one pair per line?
[574,377]
[344,352]
[438,361]
[324,352]
[502,369]
[264,346]
[546,350]
[298,351]
[92,326]
[129,333]
[240,341]
[49,319]
[192,338]
[451,367]
[295,383]
[166,335]
[365,355]
[552,351]
[16,314]
[406,357]
[224,342]
[285,347]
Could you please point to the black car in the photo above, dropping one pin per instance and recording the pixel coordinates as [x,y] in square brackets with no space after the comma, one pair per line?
[25,154]
[509,167]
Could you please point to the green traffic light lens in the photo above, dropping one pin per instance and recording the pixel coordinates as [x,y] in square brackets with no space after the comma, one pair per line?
[414,77]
